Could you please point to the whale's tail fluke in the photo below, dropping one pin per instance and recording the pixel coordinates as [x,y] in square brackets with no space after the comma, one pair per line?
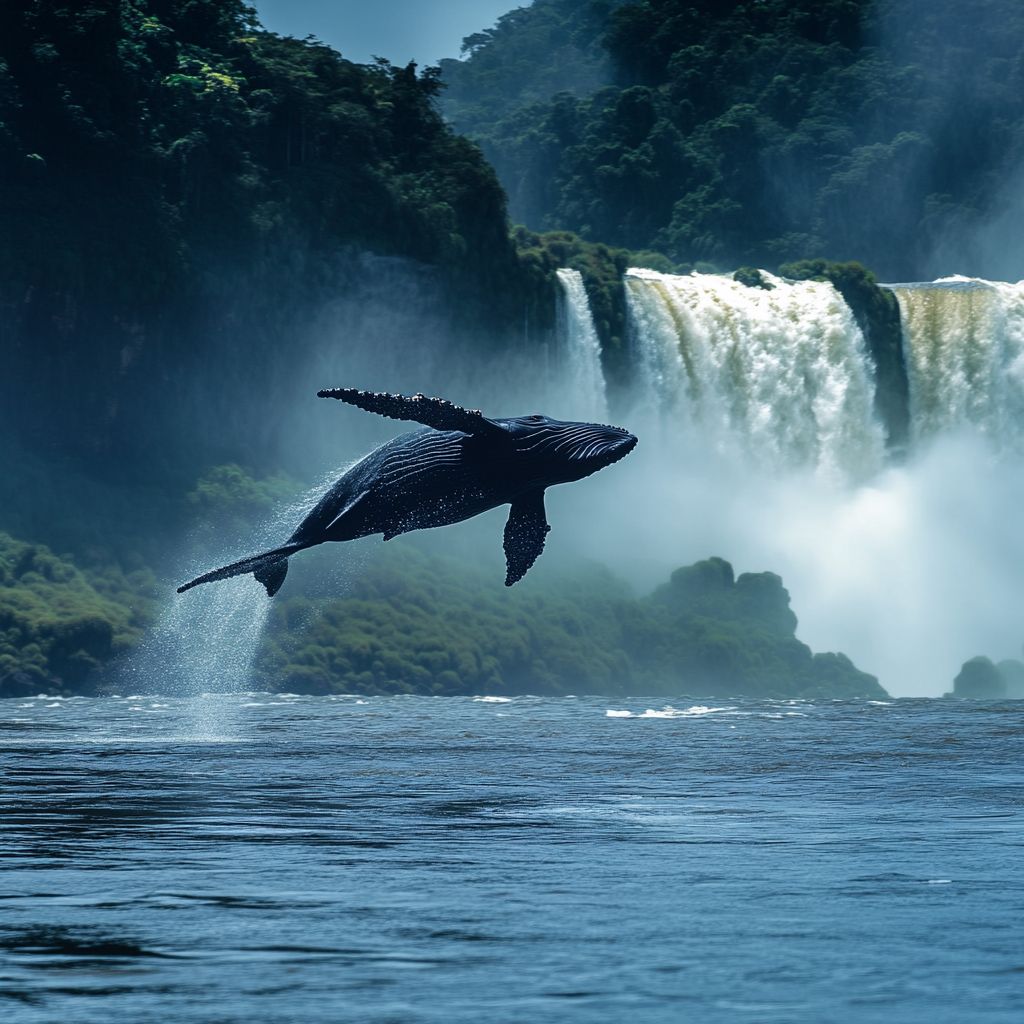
[270,568]
[272,575]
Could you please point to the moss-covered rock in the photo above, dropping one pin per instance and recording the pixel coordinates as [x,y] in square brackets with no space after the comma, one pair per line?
[979,678]
[752,278]
[712,634]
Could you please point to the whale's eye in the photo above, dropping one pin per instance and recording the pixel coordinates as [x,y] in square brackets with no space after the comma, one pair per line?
[535,418]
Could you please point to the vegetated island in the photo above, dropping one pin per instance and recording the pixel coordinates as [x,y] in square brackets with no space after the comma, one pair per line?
[424,625]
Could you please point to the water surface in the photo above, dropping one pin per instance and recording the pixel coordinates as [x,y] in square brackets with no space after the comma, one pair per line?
[253,857]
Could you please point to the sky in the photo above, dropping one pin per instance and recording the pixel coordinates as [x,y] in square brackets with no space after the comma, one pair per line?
[400,30]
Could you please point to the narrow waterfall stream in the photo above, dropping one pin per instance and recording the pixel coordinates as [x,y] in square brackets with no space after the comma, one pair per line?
[582,351]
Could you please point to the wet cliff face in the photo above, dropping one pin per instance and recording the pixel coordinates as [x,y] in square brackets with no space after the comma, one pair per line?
[184,199]
[877,313]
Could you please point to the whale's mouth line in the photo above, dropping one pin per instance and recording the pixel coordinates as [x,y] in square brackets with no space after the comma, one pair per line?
[614,451]
[624,447]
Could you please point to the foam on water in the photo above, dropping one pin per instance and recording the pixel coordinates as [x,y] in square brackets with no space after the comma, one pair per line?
[696,711]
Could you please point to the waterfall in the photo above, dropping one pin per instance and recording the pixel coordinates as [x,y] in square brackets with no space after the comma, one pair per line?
[964,347]
[781,373]
[766,449]
[582,351]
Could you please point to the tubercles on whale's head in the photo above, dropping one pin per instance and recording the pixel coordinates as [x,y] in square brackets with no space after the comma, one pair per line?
[560,452]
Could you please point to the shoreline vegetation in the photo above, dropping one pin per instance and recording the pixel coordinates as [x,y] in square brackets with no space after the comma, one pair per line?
[412,622]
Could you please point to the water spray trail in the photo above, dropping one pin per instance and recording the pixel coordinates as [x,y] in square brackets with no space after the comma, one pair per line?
[205,642]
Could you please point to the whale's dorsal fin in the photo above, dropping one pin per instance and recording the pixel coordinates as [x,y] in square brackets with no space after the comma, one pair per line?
[525,531]
[431,412]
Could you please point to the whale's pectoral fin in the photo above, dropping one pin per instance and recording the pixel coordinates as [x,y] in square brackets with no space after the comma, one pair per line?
[524,535]
[431,412]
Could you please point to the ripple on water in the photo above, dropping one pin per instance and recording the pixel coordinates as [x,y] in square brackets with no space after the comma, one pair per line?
[419,859]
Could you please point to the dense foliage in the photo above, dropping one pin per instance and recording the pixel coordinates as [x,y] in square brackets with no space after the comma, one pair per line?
[188,129]
[758,131]
[58,626]
[178,186]
[418,624]
[546,49]
[507,75]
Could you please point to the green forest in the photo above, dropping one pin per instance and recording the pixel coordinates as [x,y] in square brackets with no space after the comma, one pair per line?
[419,623]
[172,173]
[184,193]
[415,624]
[753,131]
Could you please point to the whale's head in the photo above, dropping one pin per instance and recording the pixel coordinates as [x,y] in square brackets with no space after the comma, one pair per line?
[556,452]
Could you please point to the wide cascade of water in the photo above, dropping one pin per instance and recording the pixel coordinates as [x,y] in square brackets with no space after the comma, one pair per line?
[780,373]
[586,398]
[760,443]
[964,345]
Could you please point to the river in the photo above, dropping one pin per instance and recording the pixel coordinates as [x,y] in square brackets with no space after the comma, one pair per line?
[239,857]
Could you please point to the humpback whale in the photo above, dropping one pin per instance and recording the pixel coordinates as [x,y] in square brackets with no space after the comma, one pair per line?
[459,464]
